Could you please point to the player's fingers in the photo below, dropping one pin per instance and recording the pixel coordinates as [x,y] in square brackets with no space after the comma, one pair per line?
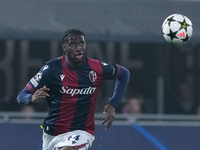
[40,96]
[45,94]
[42,91]
[39,92]
[45,88]
[105,120]
[108,125]
[110,121]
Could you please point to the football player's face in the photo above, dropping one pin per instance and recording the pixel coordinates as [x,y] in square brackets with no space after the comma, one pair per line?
[74,48]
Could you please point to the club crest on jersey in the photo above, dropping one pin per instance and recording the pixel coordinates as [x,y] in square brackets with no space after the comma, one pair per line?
[92,76]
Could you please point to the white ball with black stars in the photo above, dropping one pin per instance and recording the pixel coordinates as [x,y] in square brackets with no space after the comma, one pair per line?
[177,29]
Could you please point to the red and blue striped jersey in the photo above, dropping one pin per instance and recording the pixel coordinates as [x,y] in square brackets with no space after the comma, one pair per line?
[73,93]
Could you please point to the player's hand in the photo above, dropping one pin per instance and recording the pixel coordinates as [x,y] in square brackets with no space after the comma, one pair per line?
[109,110]
[40,93]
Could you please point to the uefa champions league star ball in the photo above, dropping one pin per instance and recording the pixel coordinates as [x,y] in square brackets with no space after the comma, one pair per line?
[177,29]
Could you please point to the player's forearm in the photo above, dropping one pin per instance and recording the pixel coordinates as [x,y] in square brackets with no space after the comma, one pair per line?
[120,86]
[24,97]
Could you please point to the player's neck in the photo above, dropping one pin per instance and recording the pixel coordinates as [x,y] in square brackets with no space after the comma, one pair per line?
[69,62]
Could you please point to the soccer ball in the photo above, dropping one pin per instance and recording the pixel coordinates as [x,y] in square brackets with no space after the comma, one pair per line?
[177,29]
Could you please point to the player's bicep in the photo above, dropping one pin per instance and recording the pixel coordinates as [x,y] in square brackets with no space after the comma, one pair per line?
[110,71]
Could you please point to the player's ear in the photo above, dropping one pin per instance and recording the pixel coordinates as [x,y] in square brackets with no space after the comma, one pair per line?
[63,46]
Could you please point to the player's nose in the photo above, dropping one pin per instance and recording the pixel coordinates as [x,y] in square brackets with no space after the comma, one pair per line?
[78,47]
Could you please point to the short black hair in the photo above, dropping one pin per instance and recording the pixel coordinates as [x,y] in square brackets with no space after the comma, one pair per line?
[71,32]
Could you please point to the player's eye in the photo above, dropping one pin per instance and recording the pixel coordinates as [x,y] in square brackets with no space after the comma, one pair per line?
[72,44]
[81,44]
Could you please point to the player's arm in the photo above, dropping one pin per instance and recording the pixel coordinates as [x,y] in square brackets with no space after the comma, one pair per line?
[122,76]
[40,93]
[36,88]
[26,97]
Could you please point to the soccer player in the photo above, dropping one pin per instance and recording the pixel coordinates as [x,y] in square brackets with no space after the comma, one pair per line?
[71,84]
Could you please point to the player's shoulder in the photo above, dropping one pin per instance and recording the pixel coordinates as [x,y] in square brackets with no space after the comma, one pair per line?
[95,61]
[52,64]
[54,61]
[95,65]
[103,64]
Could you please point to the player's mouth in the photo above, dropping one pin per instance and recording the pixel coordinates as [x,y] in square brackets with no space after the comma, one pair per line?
[79,55]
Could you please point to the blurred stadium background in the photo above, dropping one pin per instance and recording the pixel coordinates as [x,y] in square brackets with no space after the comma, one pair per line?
[127,32]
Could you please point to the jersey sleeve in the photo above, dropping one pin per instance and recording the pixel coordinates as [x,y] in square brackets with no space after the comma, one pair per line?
[110,71]
[42,78]
[122,75]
